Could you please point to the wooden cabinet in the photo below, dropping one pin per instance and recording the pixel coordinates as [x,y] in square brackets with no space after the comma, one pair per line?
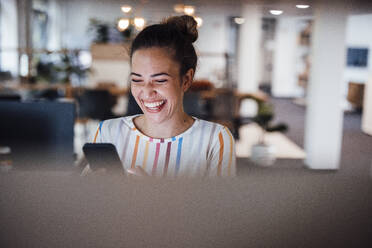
[355,94]
[110,64]
[110,51]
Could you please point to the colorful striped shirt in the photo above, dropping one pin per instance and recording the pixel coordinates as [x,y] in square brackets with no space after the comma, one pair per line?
[205,149]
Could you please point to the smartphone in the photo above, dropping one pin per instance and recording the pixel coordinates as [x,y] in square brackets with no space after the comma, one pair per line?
[103,155]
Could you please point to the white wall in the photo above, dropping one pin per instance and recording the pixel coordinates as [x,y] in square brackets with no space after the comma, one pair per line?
[9,36]
[285,75]
[211,44]
[358,34]
[77,15]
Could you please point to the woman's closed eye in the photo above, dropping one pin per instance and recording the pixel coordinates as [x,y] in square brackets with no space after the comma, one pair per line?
[161,80]
[136,80]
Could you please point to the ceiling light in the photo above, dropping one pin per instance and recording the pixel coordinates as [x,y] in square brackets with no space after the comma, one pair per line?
[126,8]
[179,8]
[276,12]
[199,21]
[239,20]
[139,23]
[123,24]
[302,6]
[189,10]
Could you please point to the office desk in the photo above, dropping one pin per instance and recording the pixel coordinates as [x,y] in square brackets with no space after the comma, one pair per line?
[61,209]
[66,88]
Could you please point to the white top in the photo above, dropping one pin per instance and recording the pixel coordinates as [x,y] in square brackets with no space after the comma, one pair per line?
[205,149]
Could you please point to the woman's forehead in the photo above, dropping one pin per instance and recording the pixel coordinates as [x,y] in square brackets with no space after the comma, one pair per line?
[153,53]
[153,57]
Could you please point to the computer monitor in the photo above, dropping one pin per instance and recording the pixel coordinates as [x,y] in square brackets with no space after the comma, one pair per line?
[40,134]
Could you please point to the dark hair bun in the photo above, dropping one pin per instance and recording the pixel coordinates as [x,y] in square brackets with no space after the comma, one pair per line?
[185,24]
[177,34]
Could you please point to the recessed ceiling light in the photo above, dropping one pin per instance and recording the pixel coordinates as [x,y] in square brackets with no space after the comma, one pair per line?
[189,10]
[126,8]
[276,12]
[302,6]
[139,23]
[123,24]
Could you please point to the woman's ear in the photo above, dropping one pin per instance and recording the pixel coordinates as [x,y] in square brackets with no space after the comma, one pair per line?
[187,80]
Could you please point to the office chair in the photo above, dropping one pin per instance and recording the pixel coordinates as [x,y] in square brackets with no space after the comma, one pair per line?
[94,104]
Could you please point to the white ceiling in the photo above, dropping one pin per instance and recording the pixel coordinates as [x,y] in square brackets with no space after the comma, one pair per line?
[288,6]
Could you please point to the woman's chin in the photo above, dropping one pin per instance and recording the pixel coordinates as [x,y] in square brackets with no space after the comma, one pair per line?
[156,115]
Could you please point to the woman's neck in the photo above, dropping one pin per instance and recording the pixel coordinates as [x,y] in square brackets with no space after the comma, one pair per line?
[165,129]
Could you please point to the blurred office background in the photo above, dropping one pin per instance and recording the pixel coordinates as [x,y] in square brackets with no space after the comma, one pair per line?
[303,66]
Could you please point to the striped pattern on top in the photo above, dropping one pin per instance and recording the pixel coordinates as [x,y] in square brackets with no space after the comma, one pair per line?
[205,149]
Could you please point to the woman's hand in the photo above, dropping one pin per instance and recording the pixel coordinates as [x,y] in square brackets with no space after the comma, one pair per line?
[137,171]
[88,171]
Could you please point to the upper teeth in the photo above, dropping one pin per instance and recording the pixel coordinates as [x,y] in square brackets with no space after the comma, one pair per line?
[153,104]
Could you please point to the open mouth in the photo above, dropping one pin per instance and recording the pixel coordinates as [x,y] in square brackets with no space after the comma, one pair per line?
[155,106]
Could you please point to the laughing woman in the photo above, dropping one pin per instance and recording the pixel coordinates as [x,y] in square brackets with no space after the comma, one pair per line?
[165,141]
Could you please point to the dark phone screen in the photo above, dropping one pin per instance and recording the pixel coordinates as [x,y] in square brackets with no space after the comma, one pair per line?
[102,155]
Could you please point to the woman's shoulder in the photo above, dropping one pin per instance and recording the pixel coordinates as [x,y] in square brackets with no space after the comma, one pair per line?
[214,126]
[113,124]
[110,123]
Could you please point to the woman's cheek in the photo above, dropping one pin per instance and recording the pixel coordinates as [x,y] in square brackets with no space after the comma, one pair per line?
[134,90]
[136,95]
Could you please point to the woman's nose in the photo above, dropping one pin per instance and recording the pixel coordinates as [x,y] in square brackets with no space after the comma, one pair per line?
[149,90]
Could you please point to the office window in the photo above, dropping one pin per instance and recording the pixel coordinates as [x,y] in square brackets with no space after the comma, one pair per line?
[39,34]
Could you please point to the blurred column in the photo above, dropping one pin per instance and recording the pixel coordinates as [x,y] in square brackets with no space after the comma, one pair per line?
[367,107]
[324,115]
[9,39]
[55,31]
[24,8]
[249,53]
[284,78]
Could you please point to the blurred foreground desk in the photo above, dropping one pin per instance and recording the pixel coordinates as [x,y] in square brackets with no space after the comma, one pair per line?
[50,209]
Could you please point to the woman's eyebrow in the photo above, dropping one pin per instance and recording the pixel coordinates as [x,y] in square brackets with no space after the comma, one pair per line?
[160,74]
[135,74]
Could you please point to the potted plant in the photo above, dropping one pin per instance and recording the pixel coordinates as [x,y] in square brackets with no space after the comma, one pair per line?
[46,71]
[70,66]
[100,30]
[262,153]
